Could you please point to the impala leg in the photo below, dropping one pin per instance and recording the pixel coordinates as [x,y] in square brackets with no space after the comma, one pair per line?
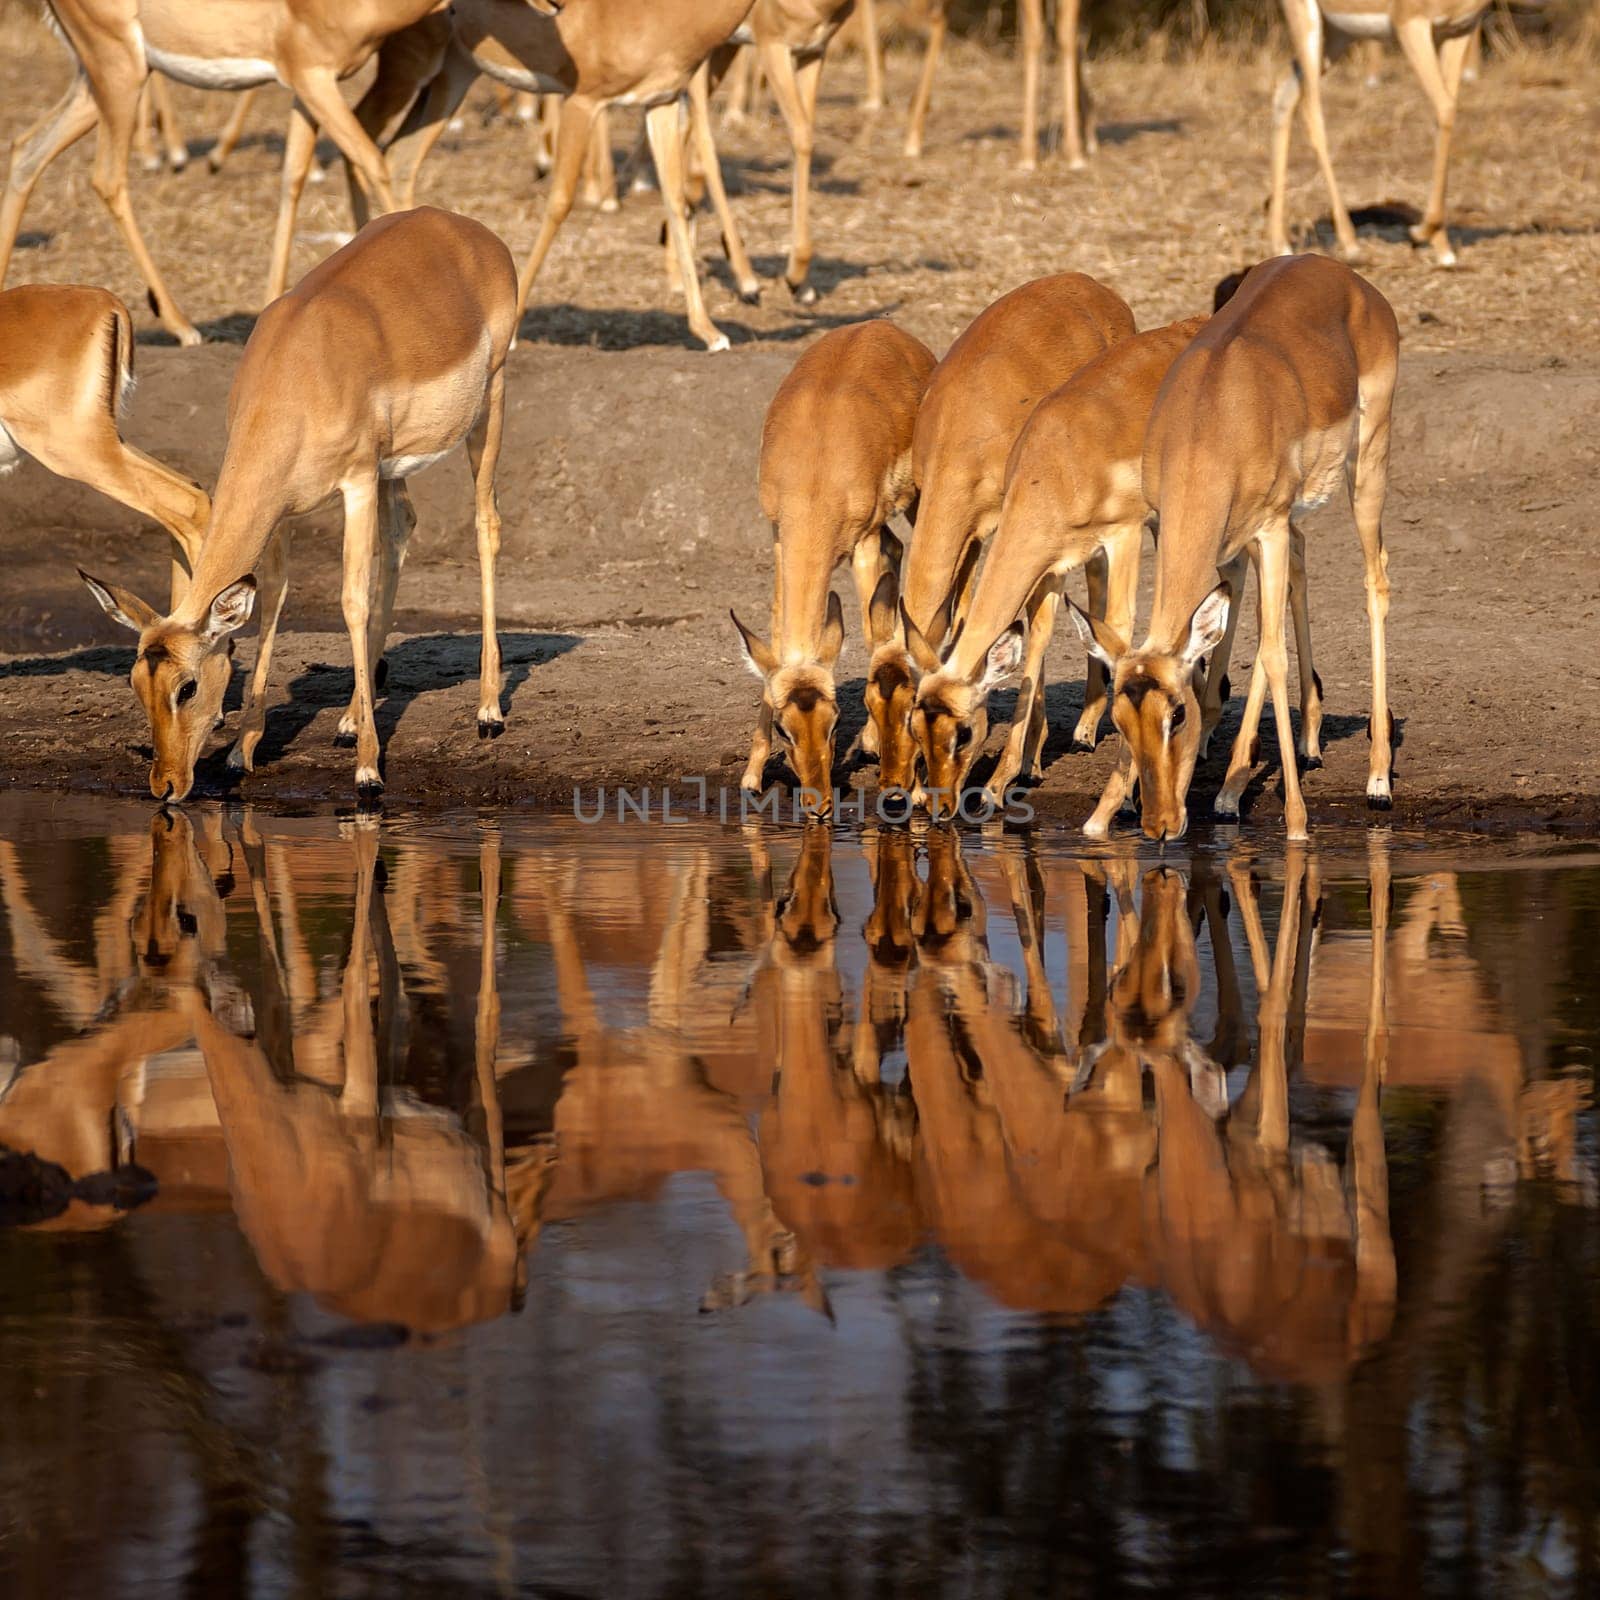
[866,567]
[937,25]
[1311,67]
[1096,575]
[1030,18]
[572,141]
[600,168]
[666,147]
[872,54]
[760,750]
[1028,726]
[1118,577]
[1369,487]
[1310,683]
[428,119]
[732,242]
[396,520]
[300,147]
[1302,88]
[360,551]
[273,574]
[483,451]
[319,93]
[167,122]
[1440,77]
[1118,787]
[144,144]
[116,92]
[1285,101]
[1077,116]
[232,131]
[1215,691]
[72,116]
[407,61]
[1273,576]
[795,90]
[1246,742]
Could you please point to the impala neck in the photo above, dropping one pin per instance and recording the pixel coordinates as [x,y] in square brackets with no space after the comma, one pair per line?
[805,560]
[1193,534]
[249,504]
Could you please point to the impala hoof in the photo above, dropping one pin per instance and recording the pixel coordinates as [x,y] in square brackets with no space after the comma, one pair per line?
[1081,746]
[488,728]
[344,741]
[750,293]
[1380,802]
[805,294]
[369,791]
[715,347]
[1310,763]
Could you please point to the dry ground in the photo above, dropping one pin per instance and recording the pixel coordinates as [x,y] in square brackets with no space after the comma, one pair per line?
[628,482]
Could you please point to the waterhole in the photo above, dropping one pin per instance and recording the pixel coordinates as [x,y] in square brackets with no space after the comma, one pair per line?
[525,1207]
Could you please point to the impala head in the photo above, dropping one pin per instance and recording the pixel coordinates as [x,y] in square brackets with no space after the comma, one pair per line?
[950,719]
[804,704]
[892,676]
[805,914]
[1154,991]
[1156,709]
[180,674]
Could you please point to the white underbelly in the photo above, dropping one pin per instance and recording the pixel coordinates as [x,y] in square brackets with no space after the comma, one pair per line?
[520,78]
[10,451]
[1359,24]
[208,72]
[409,466]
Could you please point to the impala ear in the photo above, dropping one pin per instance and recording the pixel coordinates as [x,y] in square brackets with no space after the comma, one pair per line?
[1003,660]
[757,656]
[121,605]
[884,611]
[832,633]
[1209,623]
[230,610]
[923,655]
[1105,644]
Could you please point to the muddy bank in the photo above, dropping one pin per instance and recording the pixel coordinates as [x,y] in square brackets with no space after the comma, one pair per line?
[628,488]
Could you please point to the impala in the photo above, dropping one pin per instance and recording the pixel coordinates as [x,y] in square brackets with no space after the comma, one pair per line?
[343,389]
[66,369]
[307,45]
[1283,394]
[1073,499]
[627,52]
[1436,37]
[835,468]
[1077,123]
[978,399]
[791,38]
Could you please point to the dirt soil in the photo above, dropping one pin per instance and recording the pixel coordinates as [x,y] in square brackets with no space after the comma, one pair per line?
[628,480]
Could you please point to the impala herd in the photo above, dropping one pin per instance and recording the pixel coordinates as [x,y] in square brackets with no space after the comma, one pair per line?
[1047,439]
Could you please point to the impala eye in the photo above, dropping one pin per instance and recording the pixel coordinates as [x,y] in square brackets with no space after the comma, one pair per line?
[782,732]
[186,693]
[963,738]
[1178,714]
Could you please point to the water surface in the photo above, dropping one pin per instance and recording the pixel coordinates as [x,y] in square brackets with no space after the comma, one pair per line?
[535,1208]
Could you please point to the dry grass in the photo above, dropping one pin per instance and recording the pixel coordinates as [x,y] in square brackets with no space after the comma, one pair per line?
[1172,203]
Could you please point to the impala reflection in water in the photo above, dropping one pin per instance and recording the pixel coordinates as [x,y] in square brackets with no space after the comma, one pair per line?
[649,1210]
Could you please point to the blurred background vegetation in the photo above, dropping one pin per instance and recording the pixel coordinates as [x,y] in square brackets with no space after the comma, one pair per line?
[1178,26]
[1187,24]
